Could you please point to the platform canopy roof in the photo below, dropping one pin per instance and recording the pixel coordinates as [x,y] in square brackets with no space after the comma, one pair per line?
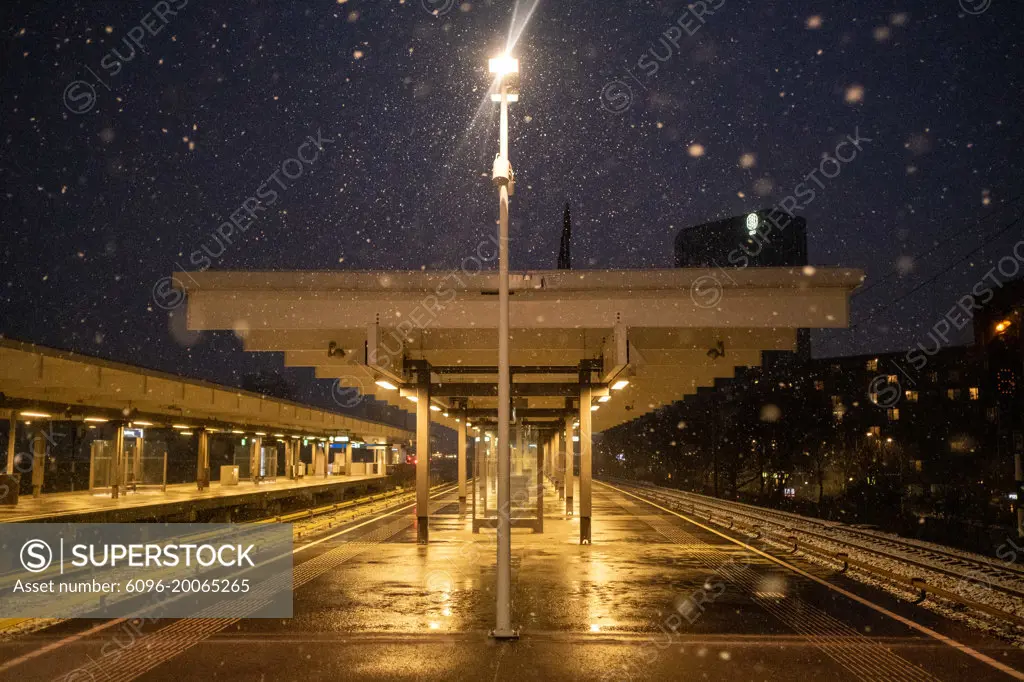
[667,332]
[62,384]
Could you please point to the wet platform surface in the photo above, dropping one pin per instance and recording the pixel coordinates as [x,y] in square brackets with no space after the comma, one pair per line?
[656,597]
[85,506]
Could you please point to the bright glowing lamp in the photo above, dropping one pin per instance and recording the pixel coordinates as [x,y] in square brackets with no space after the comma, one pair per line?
[504,65]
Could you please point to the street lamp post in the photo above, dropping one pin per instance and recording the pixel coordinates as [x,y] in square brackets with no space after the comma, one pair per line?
[504,67]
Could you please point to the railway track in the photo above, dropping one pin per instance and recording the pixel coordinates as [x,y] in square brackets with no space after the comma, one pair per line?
[861,548]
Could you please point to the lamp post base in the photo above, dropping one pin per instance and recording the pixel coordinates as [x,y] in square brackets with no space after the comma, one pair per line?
[511,634]
[421,530]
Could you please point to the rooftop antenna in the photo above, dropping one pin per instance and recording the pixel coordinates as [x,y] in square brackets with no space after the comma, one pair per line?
[565,247]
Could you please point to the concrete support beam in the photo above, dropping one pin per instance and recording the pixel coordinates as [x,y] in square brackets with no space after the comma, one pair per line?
[203,459]
[462,462]
[758,305]
[585,464]
[570,468]
[348,459]
[422,461]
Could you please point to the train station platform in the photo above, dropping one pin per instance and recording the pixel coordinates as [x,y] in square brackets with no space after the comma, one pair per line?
[181,502]
[657,596]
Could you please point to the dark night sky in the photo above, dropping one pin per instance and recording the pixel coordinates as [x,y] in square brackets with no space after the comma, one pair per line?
[98,206]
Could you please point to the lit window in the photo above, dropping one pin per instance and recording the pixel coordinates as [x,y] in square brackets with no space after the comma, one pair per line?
[1006,382]
[975,393]
[894,414]
[911,396]
[875,430]
[953,393]
[819,385]
[873,365]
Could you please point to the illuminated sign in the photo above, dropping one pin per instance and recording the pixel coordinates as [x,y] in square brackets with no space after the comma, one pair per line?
[752,222]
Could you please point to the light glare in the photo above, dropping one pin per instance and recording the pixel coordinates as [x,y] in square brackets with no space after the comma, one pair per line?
[504,65]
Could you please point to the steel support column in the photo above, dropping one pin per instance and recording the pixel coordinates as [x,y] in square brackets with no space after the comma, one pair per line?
[585,464]
[254,458]
[541,450]
[570,468]
[462,462]
[422,461]
[488,456]
[203,459]
[12,446]
[118,461]
[560,470]
[520,452]
[288,473]
[554,462]
[547,457]
[38,462]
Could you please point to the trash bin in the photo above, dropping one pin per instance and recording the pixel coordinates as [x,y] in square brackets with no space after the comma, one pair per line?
[229,474]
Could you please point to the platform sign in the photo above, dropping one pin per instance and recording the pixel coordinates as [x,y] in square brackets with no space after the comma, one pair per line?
[175,570]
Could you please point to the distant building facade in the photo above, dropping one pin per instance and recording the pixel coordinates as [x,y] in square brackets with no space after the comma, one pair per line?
[881,431]
[767,238]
